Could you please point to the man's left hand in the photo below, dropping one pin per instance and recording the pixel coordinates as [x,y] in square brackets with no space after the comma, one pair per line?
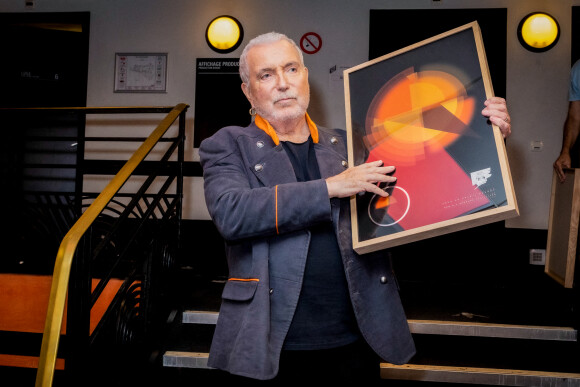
[496,111]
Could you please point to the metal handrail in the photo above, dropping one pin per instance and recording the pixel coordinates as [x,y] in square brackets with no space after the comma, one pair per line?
[68,247]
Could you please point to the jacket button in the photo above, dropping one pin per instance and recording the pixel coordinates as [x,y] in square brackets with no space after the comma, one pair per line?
[344,163]
[258,167]
[271,290]
[260,144]
[333,141]
[384,280]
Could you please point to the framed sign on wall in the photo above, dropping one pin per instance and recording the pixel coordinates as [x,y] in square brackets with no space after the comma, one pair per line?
[140,73]
[218,89]
[418,108]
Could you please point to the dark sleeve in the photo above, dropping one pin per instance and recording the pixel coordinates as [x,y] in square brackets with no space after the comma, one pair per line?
[240,208]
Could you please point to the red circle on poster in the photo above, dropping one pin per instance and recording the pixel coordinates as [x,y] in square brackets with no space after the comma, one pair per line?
[311,43]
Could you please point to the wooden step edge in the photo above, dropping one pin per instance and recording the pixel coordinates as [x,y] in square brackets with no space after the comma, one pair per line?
[199,317]
[449,328]
[483,376]
[185,359]
[512,331]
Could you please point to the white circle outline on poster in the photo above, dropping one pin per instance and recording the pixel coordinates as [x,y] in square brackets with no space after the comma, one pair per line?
[396,221]
[310,43]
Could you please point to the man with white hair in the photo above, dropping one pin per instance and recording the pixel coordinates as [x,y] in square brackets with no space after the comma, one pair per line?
[299,302]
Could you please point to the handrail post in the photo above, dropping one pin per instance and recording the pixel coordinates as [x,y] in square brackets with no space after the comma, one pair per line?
[181,160]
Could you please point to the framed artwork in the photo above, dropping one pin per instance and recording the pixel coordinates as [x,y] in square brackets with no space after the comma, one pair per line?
[419,109]
[140,73]
[561,249]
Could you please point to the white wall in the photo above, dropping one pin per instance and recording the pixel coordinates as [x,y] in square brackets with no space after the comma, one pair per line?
[536,82]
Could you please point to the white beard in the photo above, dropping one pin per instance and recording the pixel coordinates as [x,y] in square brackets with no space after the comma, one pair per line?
[285,113]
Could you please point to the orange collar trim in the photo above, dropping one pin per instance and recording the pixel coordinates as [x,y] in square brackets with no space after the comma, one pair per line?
[263,124]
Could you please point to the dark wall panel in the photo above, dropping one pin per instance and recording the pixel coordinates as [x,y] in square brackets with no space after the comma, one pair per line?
[391,30]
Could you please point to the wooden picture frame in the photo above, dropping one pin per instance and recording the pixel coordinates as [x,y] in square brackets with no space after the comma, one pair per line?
[561,249]
[418,108]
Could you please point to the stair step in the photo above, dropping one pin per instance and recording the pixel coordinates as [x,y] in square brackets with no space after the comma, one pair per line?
[474,329]
[199,317]
[449,328]
[424,373]
[185,359]
[481,376]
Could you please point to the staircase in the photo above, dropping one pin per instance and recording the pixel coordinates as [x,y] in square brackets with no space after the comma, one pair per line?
[475,322]
[428,372]
[465,349]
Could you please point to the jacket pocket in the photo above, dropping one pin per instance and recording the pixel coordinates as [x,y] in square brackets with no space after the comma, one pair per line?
[240,289]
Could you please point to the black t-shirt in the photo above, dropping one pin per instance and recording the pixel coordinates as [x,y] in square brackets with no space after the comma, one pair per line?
[324,317]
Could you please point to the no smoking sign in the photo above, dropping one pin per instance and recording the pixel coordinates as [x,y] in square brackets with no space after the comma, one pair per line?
[310,43]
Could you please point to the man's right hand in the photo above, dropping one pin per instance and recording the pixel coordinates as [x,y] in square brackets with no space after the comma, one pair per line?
[362,178]
[563,161]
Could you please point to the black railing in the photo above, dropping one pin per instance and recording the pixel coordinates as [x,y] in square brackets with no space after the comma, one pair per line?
[118,249]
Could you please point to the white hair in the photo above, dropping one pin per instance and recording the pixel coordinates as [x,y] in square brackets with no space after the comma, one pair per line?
[269,37]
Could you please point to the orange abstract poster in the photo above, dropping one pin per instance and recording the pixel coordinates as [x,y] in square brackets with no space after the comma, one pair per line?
[419,110]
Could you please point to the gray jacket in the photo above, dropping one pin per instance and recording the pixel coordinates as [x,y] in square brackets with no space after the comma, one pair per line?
[263,212]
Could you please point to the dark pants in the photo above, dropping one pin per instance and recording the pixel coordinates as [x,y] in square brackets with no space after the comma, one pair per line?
[348,364]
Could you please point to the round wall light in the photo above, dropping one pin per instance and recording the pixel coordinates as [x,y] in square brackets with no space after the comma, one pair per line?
[538,32]
[224,34]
